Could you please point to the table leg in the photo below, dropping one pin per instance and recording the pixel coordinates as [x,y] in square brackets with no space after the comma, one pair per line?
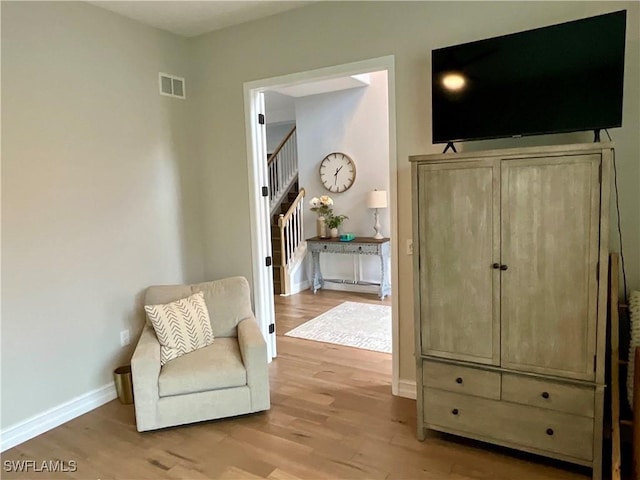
[385,285]
[317,282]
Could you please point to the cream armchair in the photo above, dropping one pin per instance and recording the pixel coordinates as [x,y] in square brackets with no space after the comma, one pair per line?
[227,378]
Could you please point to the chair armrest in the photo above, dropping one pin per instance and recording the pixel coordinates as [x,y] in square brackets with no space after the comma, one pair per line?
[254,355]
[145,370]
[252,344]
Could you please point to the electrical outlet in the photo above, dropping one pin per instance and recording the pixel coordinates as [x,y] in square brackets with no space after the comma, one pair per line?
[409,246]
[124,338]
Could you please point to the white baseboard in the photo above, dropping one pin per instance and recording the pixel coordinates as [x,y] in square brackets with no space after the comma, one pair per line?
[350,287]
[343,287]
[297,288]
[45,421]
[407,389]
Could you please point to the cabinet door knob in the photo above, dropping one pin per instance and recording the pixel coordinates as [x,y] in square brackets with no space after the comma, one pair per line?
[454,411]
[545,394]
[549,431]
[503,267]
[459,380]
[495,266]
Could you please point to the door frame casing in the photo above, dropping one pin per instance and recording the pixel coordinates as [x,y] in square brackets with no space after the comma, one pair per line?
[263,302]
[262,274]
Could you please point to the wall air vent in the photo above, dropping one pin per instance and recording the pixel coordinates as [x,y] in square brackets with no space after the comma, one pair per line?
[171,86]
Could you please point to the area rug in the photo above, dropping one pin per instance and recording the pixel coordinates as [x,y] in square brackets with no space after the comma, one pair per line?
[354,324]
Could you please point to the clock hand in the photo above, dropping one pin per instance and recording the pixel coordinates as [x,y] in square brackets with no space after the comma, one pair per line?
[339,169]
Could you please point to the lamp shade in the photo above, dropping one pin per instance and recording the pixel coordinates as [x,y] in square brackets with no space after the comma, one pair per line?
[377,199]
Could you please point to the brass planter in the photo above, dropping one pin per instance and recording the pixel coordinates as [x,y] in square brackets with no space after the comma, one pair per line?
[124,384]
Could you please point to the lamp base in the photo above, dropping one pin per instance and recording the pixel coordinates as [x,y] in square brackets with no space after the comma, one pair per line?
[376,226]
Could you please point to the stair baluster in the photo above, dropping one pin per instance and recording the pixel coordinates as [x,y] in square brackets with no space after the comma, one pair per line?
[291,237]
[283,168]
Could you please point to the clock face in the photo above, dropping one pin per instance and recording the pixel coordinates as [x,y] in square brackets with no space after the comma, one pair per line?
[337,172]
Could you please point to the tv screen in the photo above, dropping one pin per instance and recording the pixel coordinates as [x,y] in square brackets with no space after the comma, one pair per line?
[561,78]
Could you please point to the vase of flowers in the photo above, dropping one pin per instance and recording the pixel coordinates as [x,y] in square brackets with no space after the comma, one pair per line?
[333,222]
[323,207]
[321,227]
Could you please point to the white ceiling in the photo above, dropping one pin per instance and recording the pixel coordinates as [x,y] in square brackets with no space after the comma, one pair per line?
[280,101]
[191,18]
[323,86]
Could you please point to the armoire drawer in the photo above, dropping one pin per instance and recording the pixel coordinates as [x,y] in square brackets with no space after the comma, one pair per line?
[510,423]
[456,378]
[545,394]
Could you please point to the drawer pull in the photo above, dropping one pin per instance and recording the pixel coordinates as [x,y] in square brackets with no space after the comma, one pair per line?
[454,411]
[496,266]
[503,267]
[549,431]
[325,247]
[545,394]
[459,380]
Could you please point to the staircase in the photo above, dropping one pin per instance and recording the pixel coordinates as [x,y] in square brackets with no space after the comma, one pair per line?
[286,198]
[283,236]
[283,168]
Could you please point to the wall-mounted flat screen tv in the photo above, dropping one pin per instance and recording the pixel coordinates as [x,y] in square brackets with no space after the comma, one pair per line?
[561,78]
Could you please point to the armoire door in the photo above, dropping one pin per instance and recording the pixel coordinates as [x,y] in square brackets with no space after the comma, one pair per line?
[549,247]
[458,227]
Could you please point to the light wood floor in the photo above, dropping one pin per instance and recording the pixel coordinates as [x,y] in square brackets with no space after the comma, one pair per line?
[332,416]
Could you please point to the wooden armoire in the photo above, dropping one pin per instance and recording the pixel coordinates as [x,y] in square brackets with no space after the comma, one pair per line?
[510,279]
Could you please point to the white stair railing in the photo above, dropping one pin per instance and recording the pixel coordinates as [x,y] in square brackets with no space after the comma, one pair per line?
[291,237]
[283,168]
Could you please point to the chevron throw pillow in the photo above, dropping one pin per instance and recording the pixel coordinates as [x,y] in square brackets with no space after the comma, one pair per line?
[181,326]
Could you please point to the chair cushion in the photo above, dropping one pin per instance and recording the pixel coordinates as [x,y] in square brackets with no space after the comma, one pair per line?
[228,301]
[216,366]
[160,294]
[181,326]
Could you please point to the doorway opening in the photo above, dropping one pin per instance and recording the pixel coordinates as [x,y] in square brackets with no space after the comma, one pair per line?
[329,129]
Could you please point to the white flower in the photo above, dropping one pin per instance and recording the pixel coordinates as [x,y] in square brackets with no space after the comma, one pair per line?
[326,200]
[314,202]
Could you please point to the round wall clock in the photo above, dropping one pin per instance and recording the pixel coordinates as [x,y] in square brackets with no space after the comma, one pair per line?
[337,172]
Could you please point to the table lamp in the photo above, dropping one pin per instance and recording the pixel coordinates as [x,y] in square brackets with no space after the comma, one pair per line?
[377,199]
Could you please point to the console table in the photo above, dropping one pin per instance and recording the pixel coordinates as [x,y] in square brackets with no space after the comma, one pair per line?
[357,246]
